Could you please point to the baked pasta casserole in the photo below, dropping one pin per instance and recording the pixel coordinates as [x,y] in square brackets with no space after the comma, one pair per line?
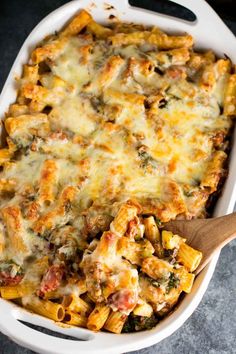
[115,131]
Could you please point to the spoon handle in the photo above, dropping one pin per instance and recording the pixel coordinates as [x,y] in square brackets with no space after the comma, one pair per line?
[206,235]
[215,235]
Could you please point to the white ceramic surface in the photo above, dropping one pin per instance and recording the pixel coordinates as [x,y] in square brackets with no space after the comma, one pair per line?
[210,33]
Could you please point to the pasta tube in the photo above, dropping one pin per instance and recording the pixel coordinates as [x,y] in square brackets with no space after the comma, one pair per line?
[170,241]
[17,234]
[45,308]
[16,109]
[156,268]
[49,51]
[17,291]
[5,155]
[2,242]
[214,171]
[115,322]
[133,251]
[48,181]
[98,30]
[77,24]
[230,97]
[161,40]
[172,57]
[36,124]
[189,257]
[143,309]
[75,319]
[152,232]
[30,73]
[107,74]
[186,282]
[125,214]
[98,317]
[76,304]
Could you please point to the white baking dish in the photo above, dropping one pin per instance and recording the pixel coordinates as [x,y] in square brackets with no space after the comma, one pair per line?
[209,32]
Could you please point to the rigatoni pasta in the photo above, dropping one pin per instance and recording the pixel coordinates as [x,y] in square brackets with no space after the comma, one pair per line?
[115,131]
[45,308]
[122,277]
[75,319]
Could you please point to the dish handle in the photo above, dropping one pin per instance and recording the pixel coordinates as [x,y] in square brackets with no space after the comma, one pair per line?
[201,9]
[22,334]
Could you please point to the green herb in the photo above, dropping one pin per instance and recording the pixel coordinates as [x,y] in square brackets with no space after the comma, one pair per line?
[174,97]
[188,193]
[67,207]
[168,253]
[196,182]
[11,267]
[175,265]
[156,284]
[158,221]
[99,62]
[138,237]
[146,159]
[97,104]
[128,326]
[46,234]
[143,154]
[173,282]
[169,56]
[139,323]
[146,323]
[18,143]
[146,250]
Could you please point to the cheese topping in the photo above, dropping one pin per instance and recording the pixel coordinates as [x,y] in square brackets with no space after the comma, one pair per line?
[129,150]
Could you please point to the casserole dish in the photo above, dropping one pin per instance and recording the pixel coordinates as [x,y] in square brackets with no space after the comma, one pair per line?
[9,324]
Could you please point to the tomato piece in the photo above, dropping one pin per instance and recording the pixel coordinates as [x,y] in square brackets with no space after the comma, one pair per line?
[6,279]
[123,300]
[52,279]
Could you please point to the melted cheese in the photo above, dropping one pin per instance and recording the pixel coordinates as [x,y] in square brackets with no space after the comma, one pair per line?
[75,115]
[68,66]
[109,144]
[27,170]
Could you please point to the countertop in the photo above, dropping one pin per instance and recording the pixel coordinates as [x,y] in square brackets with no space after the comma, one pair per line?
[212,327]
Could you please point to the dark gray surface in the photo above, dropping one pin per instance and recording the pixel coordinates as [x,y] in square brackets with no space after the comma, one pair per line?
[212,327]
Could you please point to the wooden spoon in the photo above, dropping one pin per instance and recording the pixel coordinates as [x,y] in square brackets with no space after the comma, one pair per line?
[206,235]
